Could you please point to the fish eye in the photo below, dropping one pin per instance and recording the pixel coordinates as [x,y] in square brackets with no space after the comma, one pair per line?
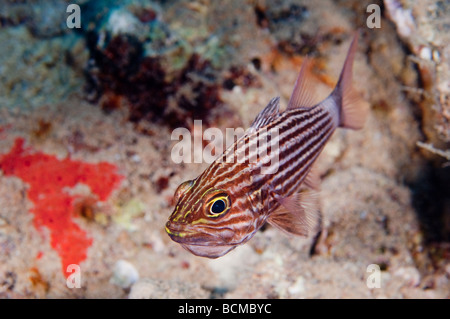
[218,206]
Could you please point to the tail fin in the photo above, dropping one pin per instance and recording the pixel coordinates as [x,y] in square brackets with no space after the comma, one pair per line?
[353,110]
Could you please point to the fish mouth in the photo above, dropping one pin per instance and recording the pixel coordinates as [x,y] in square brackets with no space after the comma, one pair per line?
[200,242]
[180,233]
[186,234]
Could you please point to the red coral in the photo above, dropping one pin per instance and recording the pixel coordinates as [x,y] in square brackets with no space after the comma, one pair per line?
[53,208]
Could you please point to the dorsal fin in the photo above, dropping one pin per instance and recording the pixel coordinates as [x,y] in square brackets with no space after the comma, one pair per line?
[267,115]
[298,214]
[303,94]
[353,109]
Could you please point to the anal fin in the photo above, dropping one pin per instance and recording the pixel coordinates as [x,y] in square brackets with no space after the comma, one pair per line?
[298,214]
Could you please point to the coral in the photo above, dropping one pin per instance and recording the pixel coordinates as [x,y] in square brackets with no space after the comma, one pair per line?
[39,71]
[48,177]
[423,27]
[432,149]
[44,18]
[122,72]
[284,21]
[159,74]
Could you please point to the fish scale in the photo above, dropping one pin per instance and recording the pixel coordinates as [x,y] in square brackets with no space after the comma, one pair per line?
[239,192]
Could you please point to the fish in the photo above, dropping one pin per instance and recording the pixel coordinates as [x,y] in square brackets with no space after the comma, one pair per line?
[232,199]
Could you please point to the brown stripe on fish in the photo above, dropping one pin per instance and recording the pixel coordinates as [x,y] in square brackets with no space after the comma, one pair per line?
[300,147]
[297,147]
[236,195]
[310,151]
[305,162]
[249,145]
[289,173]
[290,141]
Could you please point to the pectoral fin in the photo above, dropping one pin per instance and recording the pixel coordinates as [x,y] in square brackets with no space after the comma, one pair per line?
[298,214]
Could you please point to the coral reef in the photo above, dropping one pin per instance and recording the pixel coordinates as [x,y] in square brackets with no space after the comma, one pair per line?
[39,71]
[137,60]
[423,27]
[43,18]
[86,174]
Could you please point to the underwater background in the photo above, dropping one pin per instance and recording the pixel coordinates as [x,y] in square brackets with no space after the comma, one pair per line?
[88,104]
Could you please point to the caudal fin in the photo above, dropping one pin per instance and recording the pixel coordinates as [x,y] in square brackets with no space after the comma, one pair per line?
[353,110]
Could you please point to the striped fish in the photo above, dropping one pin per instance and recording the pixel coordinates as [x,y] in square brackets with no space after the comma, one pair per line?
[236,195]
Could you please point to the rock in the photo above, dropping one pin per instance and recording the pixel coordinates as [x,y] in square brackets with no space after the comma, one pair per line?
[44,18]
[421,25]
[124,274]
[35,72]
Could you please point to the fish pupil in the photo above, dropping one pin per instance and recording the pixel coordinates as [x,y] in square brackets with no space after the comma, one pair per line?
[218,206]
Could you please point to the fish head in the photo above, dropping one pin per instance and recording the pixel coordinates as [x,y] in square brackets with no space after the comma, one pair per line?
[202,221]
